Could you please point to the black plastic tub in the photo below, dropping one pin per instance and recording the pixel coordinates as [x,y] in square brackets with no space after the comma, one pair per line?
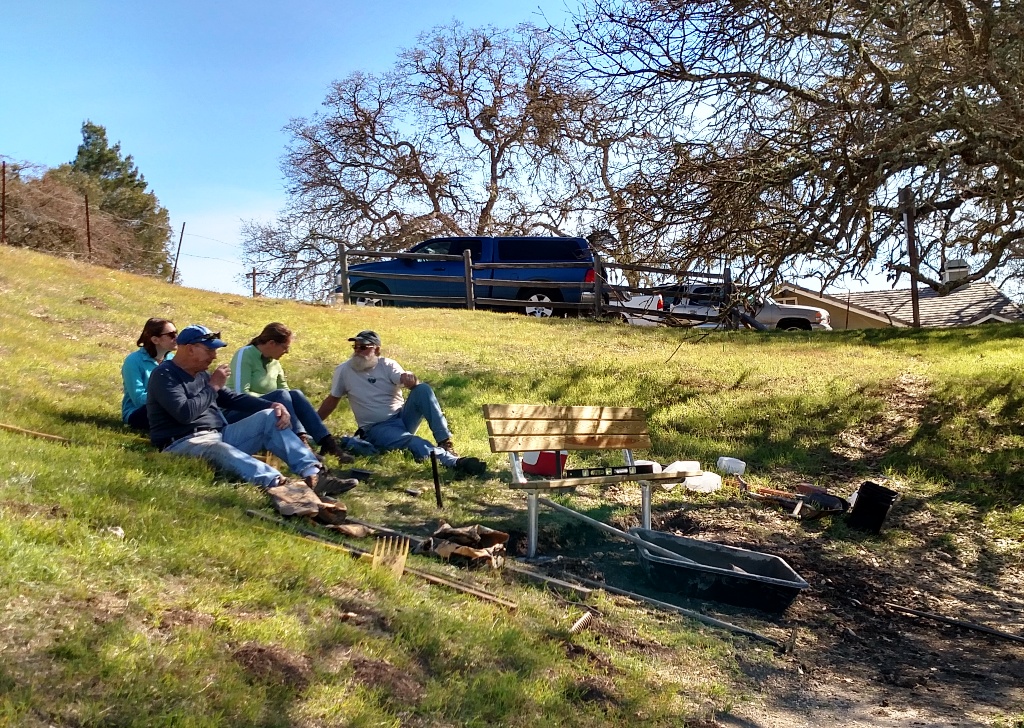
[720,573]
[871,507]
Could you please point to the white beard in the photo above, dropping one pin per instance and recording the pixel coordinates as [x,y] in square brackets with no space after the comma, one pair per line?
[363,363]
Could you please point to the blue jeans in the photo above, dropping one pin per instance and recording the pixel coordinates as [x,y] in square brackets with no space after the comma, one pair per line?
[398,431]
[231,449]
[305,420]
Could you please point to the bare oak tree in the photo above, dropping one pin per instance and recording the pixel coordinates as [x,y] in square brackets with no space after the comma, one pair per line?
[793,125]
[468,134]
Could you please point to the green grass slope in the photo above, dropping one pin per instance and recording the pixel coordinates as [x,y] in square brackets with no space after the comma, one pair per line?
[200,616]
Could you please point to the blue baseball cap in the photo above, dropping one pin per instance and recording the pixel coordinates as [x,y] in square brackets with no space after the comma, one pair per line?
[196,334]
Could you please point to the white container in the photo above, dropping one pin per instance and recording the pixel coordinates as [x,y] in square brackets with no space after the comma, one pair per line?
[683,467]
[707,482]
[731,466]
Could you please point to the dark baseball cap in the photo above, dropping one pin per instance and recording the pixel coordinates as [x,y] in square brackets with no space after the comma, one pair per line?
[196,334]
[366,337]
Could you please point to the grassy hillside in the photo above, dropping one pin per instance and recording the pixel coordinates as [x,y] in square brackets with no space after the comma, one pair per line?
[202,616]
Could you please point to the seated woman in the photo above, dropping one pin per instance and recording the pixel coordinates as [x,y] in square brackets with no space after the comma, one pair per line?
[256,370]
[157,342]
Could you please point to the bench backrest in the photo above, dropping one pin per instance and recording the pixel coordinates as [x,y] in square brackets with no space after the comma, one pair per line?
[528,427]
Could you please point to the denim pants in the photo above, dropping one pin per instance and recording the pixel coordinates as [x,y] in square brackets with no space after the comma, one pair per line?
[398,431]
[305,420]
[231,449]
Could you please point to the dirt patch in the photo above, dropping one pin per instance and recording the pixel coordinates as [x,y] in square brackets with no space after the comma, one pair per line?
[595,689]
[855,661]
[28,510]
[93,302]
[402,685]
[173,618]
[273,665]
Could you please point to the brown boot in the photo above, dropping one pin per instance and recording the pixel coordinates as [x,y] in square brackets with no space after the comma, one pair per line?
[326,483]
[449,446]
[329,446]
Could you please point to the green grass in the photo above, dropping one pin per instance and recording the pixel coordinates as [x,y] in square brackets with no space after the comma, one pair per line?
[201,616]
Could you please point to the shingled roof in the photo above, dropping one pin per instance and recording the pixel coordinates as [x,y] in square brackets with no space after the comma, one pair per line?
[974,303]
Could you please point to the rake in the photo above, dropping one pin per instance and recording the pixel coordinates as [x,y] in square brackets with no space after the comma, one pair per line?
[389,553]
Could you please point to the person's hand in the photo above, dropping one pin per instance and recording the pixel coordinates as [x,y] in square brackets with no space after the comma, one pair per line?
[284,420]
[219,377]
[408,379]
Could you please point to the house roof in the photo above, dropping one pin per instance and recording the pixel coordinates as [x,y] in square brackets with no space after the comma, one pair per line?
[974,303]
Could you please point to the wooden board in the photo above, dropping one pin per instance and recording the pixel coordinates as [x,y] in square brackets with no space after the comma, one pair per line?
[557,412]
[599,480]
[550,428]
[529,443]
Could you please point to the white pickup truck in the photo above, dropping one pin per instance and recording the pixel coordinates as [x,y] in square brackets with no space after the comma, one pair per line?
[700,305]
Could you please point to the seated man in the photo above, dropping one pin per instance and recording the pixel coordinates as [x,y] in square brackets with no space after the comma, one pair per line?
[184,404]
[373,385]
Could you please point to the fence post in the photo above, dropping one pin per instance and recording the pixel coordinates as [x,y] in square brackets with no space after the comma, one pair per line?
[598,286]
[3,205]
[467,262]
[346,295]
[88,233]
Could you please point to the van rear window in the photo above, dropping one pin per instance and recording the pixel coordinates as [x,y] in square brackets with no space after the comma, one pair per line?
[525,249]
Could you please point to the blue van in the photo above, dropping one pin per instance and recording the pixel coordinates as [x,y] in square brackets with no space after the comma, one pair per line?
[363,284]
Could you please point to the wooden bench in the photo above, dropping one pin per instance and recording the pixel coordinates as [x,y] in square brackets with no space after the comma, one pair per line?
[519,428]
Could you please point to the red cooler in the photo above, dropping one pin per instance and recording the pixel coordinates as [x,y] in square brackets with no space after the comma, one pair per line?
[545,462]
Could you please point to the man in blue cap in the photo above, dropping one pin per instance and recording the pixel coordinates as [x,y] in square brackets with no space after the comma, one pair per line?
[373,385]
[184,403]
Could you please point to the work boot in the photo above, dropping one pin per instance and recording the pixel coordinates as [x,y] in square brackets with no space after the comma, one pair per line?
[329,446]
[449,446]
[471,466]
[327,483]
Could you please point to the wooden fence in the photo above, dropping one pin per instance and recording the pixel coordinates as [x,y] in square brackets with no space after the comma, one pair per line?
[605,300]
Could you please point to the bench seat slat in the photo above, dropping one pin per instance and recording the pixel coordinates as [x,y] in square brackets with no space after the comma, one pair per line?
[569,442]
[598,480]
[559,412]
[522,428]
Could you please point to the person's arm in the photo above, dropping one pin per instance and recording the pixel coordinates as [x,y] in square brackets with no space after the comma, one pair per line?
[242,370]
[338,390]
[134,381]
[182,403]
[328,406]
[282,383]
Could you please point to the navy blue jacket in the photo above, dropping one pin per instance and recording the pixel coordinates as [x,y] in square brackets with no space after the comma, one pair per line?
[179,404]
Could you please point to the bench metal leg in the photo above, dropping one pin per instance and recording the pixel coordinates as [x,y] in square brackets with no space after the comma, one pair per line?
[645,505]
[531,517]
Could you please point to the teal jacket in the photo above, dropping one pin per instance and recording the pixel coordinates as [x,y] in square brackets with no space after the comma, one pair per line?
[134,377]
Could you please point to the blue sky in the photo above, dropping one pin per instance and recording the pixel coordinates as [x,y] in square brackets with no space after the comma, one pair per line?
[198,93]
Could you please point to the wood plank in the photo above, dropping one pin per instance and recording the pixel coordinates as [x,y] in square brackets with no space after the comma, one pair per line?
[559,412]
[550,428]
[597,480]
[569,442]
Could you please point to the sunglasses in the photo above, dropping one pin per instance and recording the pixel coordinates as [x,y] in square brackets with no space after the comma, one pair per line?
[172,334]
[362,347]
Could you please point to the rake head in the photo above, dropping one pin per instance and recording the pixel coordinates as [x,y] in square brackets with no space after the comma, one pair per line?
[391,552]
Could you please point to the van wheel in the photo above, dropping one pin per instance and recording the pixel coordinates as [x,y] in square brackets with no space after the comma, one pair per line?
[794,325]
[535,301]
[359,297]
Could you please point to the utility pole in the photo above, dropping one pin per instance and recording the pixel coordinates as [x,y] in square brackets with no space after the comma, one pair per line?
[3,205]
[907,204]
[174,272]
[253,276]
[88,234]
